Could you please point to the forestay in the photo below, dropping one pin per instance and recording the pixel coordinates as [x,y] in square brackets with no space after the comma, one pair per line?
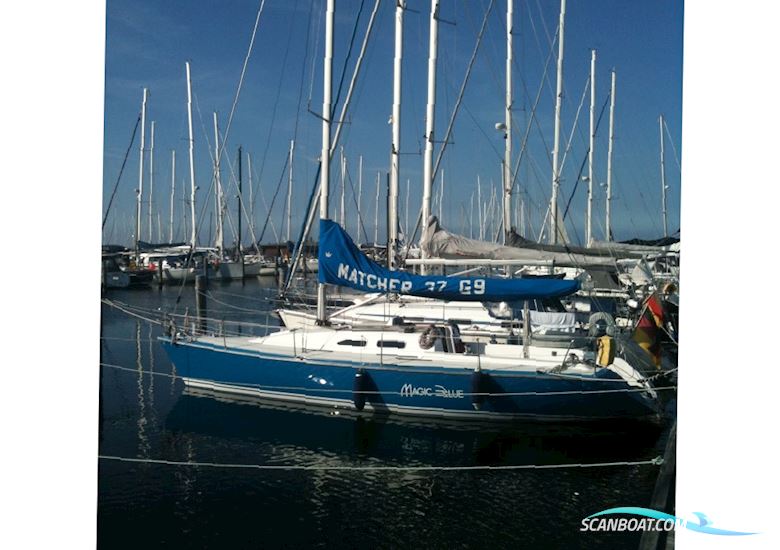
[342,263]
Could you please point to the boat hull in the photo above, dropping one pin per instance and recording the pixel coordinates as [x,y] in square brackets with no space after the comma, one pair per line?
[427,391]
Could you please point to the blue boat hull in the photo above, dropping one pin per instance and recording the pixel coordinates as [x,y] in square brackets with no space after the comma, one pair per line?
[421,391]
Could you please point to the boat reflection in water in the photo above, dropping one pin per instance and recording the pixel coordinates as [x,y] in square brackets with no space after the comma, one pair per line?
[301,435]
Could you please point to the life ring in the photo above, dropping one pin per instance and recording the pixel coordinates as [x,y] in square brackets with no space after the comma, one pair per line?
[428,337]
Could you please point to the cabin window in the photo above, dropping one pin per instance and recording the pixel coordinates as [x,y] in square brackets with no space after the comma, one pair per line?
[358,343]
[390,344]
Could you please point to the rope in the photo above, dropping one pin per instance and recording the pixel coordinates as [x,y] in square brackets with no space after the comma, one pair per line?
[657,461]
[121,170]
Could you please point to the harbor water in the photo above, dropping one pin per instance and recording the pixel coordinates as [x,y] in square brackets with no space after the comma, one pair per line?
[342,500]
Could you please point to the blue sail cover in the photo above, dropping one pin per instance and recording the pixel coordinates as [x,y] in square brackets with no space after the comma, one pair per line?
[342,263]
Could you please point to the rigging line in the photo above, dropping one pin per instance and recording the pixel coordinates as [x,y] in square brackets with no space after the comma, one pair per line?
[531,120]
[273,200]
[314,55]
[657,461]
[346,63]
[303,71]
[309,219]
[121,170]
[674,149]
[574,126]
[276,104]
[585,160]
[241,78]
[211,297]
[463,85]
[357,206]
[351,391]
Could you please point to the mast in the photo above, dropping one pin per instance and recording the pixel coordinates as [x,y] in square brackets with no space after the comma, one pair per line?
[140,191]
[481,232]
[507,168]
[191,140]
[376,212]
[589,221]
[343,188]
[429,121]
[406,214]
[220,237]
[173,193]
[395,151]
[325,155]
[240,198]
[608,227]
[251,196]
[663,176]
[151,178]
[289,189]
[360,198]
[556,176]
[441,195]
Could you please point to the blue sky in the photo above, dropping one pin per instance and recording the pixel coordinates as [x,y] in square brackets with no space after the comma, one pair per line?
[148,42]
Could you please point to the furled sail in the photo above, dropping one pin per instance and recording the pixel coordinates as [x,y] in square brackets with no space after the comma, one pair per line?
[342,263]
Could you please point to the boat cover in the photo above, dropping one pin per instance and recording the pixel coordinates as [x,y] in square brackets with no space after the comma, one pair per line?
[439,243]
[343,264]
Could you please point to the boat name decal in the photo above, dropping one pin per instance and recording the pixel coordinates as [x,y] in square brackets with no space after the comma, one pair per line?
[391,284]
[407,390]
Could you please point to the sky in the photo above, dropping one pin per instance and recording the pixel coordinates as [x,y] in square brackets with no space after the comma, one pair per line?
[148,42]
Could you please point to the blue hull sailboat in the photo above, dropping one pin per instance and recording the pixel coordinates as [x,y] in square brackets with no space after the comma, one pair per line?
[420,370]
[423,369]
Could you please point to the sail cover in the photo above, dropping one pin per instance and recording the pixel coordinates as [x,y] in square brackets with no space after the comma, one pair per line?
[342,263]
[440,243]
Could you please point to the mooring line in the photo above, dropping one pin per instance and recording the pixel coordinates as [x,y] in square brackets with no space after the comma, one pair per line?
[657,461]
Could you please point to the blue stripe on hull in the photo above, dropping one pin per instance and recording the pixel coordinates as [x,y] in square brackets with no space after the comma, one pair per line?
[423,391]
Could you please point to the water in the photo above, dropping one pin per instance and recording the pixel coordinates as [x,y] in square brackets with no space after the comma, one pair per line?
[157,506]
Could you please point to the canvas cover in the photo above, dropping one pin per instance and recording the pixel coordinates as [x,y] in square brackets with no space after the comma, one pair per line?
[439,243]
[342,263]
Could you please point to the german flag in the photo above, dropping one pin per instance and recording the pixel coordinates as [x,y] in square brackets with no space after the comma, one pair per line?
[647,331]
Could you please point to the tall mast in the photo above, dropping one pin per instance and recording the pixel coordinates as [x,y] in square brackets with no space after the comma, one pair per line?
[240,198]
[360,197]
[406,214]
[251,196]
[392,210]
[191,140]
[663,176]
[556,176]
[608,227]
[429,120]
[220,238]
[479,209]
[173,193]
[508,123]
[151,178]
[589,223]
[289,189]
[441,195]
[376,212]
[325,154]
[140,190]
[343,188]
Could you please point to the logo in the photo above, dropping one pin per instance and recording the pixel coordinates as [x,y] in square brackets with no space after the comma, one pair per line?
[651,520]
[407,390]
[328,254]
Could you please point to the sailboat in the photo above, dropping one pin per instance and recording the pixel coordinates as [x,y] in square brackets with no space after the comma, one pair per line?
[407,368]
[415,369]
